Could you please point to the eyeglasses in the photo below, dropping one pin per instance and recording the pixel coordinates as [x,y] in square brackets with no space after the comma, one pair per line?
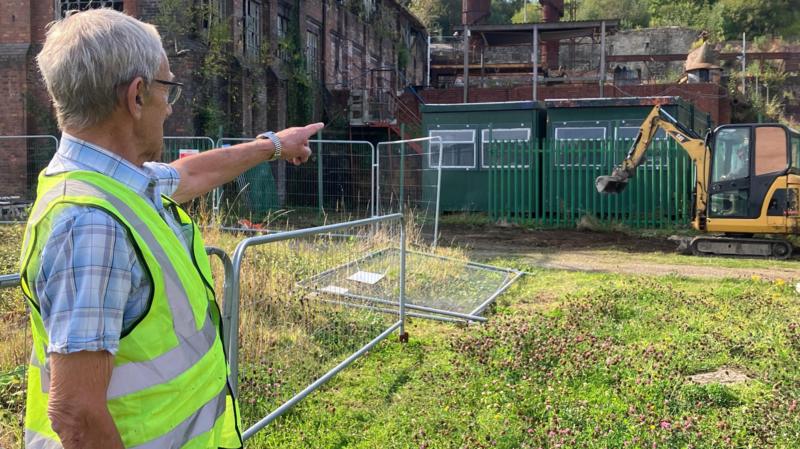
[174,91]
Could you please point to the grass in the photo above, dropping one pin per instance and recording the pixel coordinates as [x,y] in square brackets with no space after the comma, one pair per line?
[568,359]
[684,259]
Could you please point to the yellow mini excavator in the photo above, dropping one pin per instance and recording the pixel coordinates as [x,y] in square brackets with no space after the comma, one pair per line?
[748,183]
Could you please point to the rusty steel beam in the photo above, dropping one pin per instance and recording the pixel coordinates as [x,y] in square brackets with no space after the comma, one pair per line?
[785,55]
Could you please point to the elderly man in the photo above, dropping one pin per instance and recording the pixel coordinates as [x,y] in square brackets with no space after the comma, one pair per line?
[127,350]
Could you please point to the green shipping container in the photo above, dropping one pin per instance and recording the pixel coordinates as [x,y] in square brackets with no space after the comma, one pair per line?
[465,130]
[616,118]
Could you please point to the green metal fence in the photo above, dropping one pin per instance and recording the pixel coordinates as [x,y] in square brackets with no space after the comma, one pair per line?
[553,184]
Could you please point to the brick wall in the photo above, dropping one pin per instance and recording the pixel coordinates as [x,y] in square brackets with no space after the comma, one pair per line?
[14,43]
[710,98]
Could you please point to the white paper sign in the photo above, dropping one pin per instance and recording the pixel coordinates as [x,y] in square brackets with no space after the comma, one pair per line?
[366,277]
[182,153]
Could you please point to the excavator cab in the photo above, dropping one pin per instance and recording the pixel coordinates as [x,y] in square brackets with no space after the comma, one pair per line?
[730,172]
[749,164]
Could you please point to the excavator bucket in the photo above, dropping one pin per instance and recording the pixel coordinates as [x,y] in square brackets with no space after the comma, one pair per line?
[610,184]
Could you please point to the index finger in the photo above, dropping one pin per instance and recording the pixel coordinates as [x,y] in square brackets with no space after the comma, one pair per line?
[313,128]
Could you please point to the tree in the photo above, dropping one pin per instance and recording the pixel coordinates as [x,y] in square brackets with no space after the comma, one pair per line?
[501,11]
[631,13]
[761,18]
[427,11]
[529,13]
[697,14]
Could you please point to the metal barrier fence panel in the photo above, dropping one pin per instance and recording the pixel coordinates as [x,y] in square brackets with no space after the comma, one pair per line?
[408,180]
[437,287]
[552,184]
[334,185]
[176,147]
[24,157]
[293,340]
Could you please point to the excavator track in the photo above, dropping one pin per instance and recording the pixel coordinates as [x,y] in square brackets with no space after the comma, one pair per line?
[733,246]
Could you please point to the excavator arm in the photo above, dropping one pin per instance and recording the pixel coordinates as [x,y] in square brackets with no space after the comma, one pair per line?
[693,144]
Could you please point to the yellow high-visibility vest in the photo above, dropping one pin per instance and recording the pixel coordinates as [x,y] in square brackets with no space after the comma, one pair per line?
[169,386]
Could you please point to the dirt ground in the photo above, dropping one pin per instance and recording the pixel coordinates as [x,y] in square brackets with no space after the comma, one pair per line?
[594,251]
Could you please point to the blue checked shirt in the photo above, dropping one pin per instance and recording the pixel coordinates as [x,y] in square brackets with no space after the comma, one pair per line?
[91,284]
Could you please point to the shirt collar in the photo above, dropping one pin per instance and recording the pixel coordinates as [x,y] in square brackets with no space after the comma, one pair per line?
[84,155]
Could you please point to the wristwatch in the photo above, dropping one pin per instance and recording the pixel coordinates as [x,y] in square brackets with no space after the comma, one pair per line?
[276,142]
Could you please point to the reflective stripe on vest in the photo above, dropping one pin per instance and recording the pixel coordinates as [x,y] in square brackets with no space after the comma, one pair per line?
[33,440]
[196,424]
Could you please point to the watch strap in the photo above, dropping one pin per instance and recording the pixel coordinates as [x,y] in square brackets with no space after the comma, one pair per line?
[276,142]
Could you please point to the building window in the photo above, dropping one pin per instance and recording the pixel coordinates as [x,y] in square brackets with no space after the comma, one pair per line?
[252,28]
[336,54]
[312,53]
[458,148]
[282,32]
[499,135]
[357,75]
[580,133]
[574,153]
[630,133]
[83,5]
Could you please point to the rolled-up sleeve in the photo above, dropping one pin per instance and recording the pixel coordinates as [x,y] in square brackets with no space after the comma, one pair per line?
[167,178]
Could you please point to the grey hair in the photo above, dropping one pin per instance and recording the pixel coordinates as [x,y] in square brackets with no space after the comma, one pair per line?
[86,58]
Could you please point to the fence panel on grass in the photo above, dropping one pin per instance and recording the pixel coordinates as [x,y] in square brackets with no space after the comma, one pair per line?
[553,183]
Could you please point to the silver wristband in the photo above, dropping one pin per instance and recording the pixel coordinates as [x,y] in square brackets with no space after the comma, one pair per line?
[276,142]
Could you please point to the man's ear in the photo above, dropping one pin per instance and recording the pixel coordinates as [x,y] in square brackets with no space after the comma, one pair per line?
[133,97]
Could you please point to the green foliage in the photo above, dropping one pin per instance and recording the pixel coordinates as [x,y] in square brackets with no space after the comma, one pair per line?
[301,88]
[631,13]
[754,18]
[503,11]
[214,73]
[173,21]
[686,13]
[12,390]
[403,56]
[428,12]
[724,19]
[529,13]
[764,97]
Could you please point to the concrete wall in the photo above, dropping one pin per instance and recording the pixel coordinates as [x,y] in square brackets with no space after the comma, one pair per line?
[656,41]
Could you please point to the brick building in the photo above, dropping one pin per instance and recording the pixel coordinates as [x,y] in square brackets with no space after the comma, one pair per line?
[248,65]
